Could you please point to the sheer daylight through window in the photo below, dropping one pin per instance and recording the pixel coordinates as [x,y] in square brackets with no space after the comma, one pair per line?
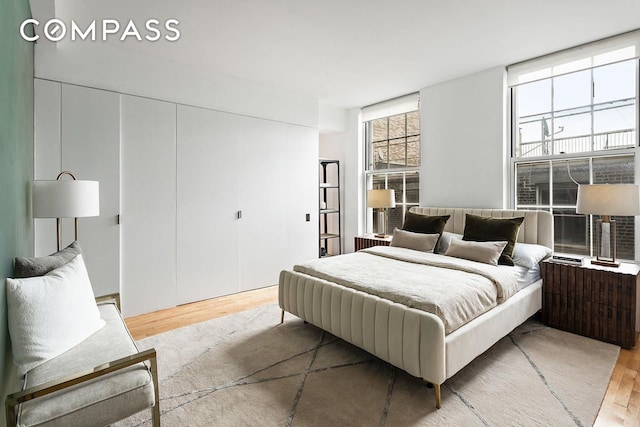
[392,147]
[574,121]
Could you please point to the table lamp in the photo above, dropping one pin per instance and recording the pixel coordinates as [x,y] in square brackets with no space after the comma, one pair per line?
[607,200]
[381,199]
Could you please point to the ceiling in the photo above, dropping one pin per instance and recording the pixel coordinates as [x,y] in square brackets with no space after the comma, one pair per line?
[351,53]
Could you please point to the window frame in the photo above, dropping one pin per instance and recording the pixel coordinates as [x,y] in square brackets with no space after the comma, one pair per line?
[513,114]
[370,172]
[590,155]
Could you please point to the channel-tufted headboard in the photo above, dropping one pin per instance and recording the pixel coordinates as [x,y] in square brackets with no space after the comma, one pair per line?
[537,226]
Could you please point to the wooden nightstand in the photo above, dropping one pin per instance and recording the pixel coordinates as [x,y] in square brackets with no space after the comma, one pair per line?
[590,300]
[370,240]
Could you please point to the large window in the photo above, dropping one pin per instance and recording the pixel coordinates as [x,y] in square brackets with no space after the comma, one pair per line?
[583,111]
[392,149]
[575,122]
[552,185]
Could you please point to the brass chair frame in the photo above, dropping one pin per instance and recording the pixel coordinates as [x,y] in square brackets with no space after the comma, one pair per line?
[13,400]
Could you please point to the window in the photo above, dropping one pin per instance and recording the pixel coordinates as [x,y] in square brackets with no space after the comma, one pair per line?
[574,121]
[551,185]
[583,111]
[392,149]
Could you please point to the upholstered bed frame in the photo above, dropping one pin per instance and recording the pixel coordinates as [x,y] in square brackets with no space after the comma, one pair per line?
[411,339]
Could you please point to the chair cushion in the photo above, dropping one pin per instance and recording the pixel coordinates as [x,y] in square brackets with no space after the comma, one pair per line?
[97,402]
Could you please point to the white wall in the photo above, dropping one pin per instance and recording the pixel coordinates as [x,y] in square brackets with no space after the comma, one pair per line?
[348,148]
[107,67]
[464,142]
[332,119]
[464,139]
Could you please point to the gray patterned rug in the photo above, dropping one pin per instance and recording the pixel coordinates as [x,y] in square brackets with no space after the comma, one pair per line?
[247,370]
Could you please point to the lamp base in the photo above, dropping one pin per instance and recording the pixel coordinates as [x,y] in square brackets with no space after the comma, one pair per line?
[606,242]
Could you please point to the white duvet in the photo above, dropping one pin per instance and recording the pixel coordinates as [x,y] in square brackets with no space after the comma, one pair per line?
[455,290]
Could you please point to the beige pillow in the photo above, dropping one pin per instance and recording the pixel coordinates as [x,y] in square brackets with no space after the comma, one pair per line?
[416,241]
[485,252]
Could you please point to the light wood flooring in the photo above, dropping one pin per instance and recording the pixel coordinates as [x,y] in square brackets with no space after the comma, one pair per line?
[621,405]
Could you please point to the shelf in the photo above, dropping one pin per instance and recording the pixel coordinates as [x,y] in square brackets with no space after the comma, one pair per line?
[329,224]
[325,236]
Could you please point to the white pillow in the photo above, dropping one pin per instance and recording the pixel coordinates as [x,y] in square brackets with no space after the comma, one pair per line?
[50,314]
[529,255]
[416,241]
[485,252]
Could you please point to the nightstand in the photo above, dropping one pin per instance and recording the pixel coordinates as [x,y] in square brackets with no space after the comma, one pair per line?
[590,300]
[370,240]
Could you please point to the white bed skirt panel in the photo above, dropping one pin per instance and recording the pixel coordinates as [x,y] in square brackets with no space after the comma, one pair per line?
[410,339]
[470,340]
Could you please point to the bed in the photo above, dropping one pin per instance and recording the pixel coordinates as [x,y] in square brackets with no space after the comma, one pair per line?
[410,338]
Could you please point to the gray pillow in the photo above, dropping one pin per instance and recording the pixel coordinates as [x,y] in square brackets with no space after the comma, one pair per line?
[24,267]
[485,252]
[416,241]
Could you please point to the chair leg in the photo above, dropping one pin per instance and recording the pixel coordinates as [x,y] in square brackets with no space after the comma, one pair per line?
[10,412]
[156,390]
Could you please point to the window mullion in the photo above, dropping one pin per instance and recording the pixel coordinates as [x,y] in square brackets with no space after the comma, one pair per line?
[590,217]
[592,109]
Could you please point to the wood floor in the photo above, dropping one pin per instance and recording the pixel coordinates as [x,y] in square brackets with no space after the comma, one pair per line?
[621,405]
[157,322]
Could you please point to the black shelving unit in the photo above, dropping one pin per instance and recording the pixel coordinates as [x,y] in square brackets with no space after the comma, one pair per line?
[330,226]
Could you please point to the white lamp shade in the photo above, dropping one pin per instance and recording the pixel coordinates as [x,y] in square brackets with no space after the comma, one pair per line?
[65,198]
[609,199]
[381,199]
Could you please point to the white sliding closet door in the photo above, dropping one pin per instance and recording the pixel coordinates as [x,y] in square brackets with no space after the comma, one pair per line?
[207,195]
[275,198]
[148,197]
[47,153]
[263,198]
[91,150]
[302,236]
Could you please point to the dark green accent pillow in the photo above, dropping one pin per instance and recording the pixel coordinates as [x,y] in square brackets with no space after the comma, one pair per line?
[24,267]
[426,224]
[484,229]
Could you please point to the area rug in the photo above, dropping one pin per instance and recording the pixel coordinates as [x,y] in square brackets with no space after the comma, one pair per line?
[248,370]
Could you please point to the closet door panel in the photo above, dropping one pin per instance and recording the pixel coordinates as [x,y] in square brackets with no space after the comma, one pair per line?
[148,204]
[47,153]
[278,189]
[207,197]
[263,245]
[302,181]
[91,151]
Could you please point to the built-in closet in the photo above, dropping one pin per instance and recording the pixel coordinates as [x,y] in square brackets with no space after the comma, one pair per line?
[195,203]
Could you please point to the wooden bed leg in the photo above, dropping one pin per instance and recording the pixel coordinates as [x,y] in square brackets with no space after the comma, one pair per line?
[438,396]
[282,317]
